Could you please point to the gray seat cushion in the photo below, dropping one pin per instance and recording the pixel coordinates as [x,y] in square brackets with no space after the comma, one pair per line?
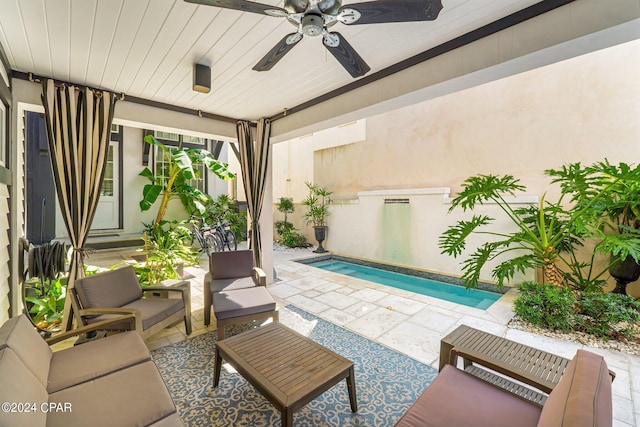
[152,310]
[133,396]
[242,302]
[75,365]
[458,399]
[113,288]
[229,284]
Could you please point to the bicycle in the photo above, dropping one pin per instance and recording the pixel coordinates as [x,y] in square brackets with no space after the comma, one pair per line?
[204,235]
[225,236]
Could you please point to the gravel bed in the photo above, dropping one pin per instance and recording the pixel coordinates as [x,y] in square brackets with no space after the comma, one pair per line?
[627,346]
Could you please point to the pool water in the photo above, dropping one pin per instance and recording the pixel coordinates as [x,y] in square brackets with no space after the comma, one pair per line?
[458,294]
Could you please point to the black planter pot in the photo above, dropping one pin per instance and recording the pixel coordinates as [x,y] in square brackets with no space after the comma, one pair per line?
[321,235]
[625,272]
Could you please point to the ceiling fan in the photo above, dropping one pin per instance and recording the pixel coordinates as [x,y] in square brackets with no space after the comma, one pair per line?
[315,17]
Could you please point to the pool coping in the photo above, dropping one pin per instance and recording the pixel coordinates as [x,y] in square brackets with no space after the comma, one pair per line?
[410,271]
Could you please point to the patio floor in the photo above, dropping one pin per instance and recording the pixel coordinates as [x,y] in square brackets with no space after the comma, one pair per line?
[404,321]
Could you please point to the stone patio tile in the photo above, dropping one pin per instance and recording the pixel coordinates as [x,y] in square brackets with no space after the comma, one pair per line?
[360,308]
[307,304]
[345,290]
[376,322]
[634,371]
[434,320]
[326,286]
[483,325]
[336,300]
[284,290]
[616,360]
[311,294]
[622,384]
[308,283]
[413,340]
[623,410]
[339,317]
[401,304]
[368,294]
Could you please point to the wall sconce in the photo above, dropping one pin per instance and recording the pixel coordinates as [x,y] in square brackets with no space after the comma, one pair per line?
[201,78]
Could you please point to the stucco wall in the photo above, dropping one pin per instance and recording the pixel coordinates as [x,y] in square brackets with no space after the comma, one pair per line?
[583,109]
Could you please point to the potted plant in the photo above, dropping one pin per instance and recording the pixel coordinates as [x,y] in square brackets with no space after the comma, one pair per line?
[611,196]
[317,203]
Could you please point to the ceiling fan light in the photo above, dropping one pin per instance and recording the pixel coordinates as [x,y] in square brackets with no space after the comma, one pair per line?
[312,25]
[201,78]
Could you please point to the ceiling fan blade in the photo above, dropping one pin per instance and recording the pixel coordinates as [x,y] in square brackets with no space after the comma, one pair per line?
[345,54]
[381,11]
[278,52]
[243,5]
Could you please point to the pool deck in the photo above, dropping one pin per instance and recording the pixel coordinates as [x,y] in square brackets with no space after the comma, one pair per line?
[404,321]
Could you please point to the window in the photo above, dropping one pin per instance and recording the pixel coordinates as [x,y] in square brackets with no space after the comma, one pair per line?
[193,139]
[108,181]
[167,136]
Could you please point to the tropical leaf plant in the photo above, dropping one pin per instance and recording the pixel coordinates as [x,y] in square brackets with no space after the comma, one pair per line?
[175,183]
[549,234]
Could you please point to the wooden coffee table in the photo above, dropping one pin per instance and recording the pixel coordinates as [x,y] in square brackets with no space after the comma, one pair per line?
[289,369]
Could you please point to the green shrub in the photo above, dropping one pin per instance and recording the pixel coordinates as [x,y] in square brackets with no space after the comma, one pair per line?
[293,239]
[601,313]
[547,306]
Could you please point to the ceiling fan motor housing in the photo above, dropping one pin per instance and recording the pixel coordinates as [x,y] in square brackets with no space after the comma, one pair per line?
[312,25]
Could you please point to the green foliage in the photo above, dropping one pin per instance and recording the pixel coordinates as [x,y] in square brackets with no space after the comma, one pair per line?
[610,196]
[317,203]
[289,235]
[176,182]
[165,248]
[604,203]
[606,315]
[293,239]
[546,306]
[48,303]
[601,313]
[225,210]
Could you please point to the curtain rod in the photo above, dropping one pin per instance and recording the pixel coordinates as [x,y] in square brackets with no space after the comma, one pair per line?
[133,99]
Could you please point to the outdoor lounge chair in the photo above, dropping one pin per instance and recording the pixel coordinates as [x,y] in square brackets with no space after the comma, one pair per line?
[457,398]
[236,290]
[117,292]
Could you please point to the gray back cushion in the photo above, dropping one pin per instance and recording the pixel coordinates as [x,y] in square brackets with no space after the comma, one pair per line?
[113,288]
[19,334]
[583,395]
[18,385]
[227,265]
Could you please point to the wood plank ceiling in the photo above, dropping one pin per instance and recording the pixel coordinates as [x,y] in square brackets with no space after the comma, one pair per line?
[147,48]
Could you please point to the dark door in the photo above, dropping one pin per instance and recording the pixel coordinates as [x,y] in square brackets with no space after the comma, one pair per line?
[41,193]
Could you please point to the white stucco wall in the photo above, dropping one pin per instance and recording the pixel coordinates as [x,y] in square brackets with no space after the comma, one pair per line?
[583,109]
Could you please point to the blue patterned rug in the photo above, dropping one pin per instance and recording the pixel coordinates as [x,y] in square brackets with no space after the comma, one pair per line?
[387,382]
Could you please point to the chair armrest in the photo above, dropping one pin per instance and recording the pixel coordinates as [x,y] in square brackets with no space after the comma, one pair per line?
[260,276]
[499,366]
[93,327]
[97,311]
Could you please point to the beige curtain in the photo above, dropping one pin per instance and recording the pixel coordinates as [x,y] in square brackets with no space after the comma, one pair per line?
[78,126]
[254,160]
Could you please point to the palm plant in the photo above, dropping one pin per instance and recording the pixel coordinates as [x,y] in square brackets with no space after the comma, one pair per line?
[317,203]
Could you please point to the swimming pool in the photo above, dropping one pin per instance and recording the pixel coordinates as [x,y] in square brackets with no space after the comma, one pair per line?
[458,294]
